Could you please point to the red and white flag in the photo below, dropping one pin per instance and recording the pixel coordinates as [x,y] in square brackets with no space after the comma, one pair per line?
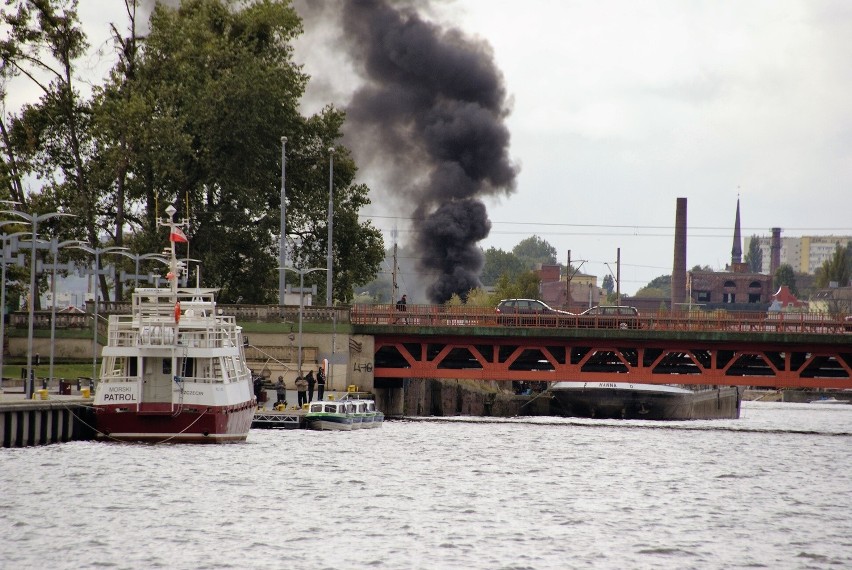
[178,235]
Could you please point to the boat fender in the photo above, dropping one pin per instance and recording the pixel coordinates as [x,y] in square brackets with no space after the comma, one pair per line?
[177,312]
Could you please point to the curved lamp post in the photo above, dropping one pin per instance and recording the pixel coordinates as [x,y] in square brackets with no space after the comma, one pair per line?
[186,272]
[137,258]
[7,240]
[97,253]
[302,273]
[328,263]
[34,221]
[282,246]
[54,248]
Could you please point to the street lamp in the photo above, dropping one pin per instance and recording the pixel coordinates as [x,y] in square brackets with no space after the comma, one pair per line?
[282,248]
[8,239]
[97,272]
[328,295]
[136,259]
[54,247]
[186,271]
[302,273]
[34,220]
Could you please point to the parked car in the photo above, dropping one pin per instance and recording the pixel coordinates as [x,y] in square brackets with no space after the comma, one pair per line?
[528,312]
[610,317]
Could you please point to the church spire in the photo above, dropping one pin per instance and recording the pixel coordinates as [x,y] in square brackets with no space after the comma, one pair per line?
[737,250]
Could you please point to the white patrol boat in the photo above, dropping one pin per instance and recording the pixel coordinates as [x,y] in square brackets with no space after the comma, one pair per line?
[173,370]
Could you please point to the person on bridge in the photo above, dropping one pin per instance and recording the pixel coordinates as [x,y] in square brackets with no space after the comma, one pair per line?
[402,306]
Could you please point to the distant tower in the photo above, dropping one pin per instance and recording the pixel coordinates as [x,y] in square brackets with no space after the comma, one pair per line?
[775,251]
[737,250]
[679,265]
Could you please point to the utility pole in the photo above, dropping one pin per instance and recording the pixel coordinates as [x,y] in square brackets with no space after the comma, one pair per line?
[395,286]
[618,277]
[568,276]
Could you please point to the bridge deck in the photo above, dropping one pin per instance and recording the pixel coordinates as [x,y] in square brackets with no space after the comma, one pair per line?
[716,349]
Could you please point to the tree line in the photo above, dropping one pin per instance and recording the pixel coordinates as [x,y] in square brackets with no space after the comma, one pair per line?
[191,114]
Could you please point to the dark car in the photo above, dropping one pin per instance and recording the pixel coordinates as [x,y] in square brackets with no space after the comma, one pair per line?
[527,312]
[610,317]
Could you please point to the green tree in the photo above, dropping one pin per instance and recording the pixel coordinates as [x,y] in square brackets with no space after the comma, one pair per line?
[47,140]
[785,275]
[837,269]
[499,262]
[525,286]
[658,287]
[754,255]
[218,86]
[534,250]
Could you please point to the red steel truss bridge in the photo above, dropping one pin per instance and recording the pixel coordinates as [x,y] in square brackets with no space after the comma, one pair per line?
[780,351]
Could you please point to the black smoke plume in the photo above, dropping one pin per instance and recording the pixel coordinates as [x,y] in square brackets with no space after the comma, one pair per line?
[431,110]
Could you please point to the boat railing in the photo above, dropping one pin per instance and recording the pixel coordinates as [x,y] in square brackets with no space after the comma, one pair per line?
[125,331]
[117,377]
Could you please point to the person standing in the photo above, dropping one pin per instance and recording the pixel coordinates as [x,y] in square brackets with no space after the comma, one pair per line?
[311,381]
[258,388]
[320,383]
[302,389]
[281,391]
[402,306]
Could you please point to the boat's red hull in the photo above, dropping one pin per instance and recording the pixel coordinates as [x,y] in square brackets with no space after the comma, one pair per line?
[193,424]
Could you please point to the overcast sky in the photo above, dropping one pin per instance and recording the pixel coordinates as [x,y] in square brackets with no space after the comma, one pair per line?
[619,107]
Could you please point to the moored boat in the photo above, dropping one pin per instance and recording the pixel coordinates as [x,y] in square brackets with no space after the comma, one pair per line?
[329,416]
[173,370]
[828,400]
[352,412]
[622,400]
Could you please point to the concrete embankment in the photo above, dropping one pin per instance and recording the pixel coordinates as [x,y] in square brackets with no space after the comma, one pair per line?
[39,422]
[427,397]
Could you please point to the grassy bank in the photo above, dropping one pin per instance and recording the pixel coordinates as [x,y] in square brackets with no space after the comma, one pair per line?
[68,371]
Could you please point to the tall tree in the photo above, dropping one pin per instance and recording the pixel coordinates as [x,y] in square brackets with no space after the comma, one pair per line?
[525,286]
[48,140]
[785,275]
[658,287]
[837,269]
[534,250]
[754,255]
[499,262]
[218,88]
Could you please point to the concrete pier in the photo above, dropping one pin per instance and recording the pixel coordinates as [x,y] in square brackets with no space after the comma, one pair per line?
[39,422]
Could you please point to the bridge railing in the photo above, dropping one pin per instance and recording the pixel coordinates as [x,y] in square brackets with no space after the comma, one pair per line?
[722,321]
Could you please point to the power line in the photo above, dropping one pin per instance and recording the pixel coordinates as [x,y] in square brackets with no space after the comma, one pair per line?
[538,224]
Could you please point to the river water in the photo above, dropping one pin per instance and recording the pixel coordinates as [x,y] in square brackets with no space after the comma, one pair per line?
[770,490]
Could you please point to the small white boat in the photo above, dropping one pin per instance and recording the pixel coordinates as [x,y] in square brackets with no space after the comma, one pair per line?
[831,400]
[329,416]
[349,413]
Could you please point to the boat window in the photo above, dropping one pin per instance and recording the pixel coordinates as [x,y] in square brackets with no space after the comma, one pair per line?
[330,408]
[167,366]
[316,407]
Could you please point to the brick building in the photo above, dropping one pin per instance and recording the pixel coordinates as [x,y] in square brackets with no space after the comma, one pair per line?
[736,288]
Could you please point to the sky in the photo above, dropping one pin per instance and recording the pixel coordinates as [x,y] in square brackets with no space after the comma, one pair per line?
[620,107]
[617,108]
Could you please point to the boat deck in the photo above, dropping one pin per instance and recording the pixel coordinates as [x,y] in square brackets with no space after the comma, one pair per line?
[273,419]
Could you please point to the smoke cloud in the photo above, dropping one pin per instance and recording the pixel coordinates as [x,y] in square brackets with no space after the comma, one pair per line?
[431,110]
